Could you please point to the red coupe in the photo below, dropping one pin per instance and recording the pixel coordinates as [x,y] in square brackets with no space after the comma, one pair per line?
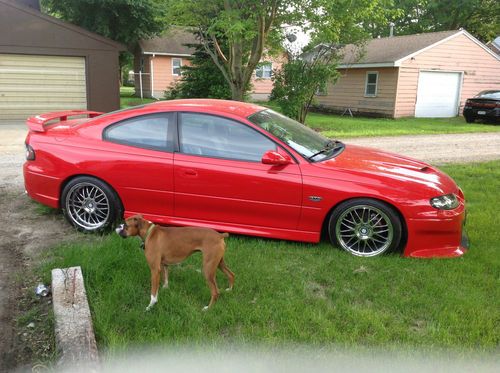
[241,168]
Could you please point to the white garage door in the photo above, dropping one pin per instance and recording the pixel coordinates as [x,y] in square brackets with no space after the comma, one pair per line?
[438,94]
[32,85]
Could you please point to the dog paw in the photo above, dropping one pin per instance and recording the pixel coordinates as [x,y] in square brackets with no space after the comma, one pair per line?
[229,289]
[205,308]
[148,308]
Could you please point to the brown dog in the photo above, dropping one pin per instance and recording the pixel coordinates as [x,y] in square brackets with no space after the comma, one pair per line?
[164,246]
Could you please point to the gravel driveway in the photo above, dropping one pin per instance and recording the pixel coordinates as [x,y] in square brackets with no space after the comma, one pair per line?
[439,149]
[30,232]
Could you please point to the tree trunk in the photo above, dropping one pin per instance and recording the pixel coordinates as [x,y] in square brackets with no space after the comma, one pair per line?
[237,93]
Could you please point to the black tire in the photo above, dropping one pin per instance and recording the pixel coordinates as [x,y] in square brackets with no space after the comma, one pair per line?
[365,227]
[469,119]
[89,204]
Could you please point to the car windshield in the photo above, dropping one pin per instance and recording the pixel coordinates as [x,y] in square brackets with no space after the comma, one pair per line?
[489,94]
[302,139]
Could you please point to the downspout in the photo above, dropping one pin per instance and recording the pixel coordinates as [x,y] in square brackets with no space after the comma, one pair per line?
[152,76]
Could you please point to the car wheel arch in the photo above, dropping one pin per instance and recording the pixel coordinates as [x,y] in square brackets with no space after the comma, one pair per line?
[404,232]
[72,177]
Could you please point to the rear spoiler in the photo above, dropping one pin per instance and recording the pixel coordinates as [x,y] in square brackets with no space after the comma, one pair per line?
[39,122]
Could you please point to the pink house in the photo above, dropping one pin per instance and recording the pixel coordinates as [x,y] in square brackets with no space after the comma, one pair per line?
[157,63]
[423,75]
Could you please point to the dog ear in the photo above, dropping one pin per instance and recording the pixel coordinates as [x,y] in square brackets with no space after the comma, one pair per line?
[140,221]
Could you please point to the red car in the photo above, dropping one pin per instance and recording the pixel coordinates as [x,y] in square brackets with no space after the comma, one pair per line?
[240,168]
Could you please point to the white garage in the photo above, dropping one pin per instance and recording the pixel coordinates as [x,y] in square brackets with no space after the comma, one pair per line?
[438,94]
[34,84]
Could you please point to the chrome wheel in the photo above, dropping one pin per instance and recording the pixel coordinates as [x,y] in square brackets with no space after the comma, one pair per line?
[88,206]
[364,230]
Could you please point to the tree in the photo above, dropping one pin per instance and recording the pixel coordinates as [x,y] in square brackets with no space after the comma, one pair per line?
[125,21]
[297,82]
[480,17]
[202,79]
[249,26]
[245,24]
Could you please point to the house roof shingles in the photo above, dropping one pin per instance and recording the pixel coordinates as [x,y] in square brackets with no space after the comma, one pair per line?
[173,42]
[391,49]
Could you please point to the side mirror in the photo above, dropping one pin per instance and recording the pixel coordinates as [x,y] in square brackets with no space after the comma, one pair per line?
[274,158]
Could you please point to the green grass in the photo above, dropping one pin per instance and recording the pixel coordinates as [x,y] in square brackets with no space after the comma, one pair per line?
[127,98]
[287,292]
[336,126]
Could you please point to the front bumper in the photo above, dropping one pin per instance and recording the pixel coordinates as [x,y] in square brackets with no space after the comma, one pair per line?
[443,237]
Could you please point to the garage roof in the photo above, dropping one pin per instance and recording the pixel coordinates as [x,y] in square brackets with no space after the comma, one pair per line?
[24,26]
[391,51]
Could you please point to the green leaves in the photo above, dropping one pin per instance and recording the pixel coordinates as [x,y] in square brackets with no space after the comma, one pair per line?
[479,17]
[301,78]
[125,21]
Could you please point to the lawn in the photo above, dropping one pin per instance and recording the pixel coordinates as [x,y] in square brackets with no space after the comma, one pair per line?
[287,292]
[336,126]
[127,98]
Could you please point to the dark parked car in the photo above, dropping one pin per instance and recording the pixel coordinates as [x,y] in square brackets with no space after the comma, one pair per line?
[485,105]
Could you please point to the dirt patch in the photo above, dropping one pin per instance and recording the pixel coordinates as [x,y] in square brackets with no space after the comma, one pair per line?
[26,234]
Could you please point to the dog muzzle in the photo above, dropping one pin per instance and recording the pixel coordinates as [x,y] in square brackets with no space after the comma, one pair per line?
[121,231]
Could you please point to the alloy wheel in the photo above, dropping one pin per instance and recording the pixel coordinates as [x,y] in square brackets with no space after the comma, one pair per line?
[88,206]
[364,230]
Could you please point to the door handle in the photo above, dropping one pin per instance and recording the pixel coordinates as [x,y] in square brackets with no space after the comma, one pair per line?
[190,172]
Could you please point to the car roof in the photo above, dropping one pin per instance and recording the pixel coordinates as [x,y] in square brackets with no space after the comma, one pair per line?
[238,108]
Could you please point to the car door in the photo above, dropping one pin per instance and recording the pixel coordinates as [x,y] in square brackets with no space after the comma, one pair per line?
[138,162]
[219,176]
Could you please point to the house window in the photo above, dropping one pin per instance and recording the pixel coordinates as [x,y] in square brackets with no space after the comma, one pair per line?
[176,66]
[264,70]
[371,84]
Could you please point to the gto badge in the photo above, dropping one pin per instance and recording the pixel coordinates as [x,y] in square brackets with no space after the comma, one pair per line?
[315,198]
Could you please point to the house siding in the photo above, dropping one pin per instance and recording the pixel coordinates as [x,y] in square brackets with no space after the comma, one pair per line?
[162,74]
[262,87]
[349,92]
[163,78]
[480,70]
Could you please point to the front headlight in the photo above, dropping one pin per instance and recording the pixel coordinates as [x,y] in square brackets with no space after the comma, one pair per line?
[446,202]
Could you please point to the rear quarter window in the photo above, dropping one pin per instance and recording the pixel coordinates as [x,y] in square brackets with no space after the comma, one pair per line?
[146,131]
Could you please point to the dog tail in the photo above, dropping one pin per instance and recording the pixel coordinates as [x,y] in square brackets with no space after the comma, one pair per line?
[224,235]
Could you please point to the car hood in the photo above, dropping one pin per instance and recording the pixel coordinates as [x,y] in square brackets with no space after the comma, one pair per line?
[386,166]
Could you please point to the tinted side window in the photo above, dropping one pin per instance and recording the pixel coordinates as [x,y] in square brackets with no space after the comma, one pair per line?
[146,131]
[212,136]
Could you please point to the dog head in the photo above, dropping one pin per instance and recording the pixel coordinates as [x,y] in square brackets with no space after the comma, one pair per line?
[131,227]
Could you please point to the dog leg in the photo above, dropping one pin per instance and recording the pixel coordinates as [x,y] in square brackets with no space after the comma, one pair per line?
[155,283]
[165,276]
[212,284]
[230,275]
